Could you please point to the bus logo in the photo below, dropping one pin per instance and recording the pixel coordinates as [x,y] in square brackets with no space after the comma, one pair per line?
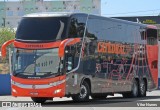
[33,86]
[107,47]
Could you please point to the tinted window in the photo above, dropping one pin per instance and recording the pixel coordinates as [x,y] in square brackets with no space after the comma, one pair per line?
[158,34]
[152,37]
[77,26]
[42,28]
[106,29]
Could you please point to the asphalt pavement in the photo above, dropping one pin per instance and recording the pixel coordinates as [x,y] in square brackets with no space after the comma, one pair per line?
[151,102]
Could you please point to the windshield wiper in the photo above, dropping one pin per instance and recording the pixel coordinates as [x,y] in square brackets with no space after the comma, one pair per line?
[20,73]
[48,73]
[51,74]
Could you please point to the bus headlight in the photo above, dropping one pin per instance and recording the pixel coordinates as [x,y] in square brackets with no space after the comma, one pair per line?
[57,91]
[13,90]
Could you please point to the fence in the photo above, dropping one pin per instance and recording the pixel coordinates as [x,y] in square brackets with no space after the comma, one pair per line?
[5,84]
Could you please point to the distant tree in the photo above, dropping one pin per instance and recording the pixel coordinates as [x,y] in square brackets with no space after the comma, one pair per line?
[6,34]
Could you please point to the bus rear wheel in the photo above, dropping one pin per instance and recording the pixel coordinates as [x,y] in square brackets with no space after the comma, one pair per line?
[39,99]
[142,89]
[84,93]
[134,91]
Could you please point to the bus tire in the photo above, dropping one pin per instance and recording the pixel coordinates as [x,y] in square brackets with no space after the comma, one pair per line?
[39,99]
[84,93]
[134,91]
[142,89]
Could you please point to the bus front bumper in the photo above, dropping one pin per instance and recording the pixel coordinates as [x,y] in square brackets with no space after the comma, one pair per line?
[34,91]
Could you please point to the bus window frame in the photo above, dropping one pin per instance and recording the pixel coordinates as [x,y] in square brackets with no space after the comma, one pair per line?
[82,44]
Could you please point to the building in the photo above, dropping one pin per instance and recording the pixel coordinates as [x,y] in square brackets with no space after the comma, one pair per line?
[12,11]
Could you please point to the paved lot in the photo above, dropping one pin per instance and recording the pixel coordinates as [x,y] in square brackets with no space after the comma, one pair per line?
[116,102]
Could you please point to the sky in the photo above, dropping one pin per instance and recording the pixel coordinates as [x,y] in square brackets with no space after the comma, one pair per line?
[115,8]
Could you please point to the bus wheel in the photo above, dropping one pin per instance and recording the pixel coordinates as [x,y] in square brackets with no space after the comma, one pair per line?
[84,93]
[39,99]
[134,91]
[98,96]
[142,89]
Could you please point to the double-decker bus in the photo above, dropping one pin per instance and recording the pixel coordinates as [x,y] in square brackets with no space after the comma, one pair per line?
[80,55]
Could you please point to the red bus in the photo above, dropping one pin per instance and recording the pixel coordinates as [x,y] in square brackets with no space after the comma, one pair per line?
[80,55]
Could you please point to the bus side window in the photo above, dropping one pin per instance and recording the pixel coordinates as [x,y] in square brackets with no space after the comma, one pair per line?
[69,63]
[151,41]
[72,56]
[152,37]
[154,64]
[77,26]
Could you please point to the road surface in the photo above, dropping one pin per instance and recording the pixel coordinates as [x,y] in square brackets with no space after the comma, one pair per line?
[151,102]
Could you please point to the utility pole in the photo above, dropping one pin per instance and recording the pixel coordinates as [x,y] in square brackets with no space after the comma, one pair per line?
[4,22]
[4,19]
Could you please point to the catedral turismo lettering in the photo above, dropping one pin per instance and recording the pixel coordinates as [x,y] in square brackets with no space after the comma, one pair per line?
[107,47]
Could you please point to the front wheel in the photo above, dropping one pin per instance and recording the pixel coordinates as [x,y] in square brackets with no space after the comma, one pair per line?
[84,93]
[39,99]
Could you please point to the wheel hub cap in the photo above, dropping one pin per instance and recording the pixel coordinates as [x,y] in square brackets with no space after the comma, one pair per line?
[83,92]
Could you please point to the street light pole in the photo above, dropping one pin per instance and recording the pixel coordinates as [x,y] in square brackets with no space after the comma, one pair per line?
[4,22]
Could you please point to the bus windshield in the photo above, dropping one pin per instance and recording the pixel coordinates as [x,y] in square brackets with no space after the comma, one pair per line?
[36,63]
[42,28]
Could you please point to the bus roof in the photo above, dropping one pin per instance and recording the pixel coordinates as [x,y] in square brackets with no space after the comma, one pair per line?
[120,21]
[68,14]
[52,14]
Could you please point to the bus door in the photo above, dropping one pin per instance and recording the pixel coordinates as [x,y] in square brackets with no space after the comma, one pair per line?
[152,54]
[71,61]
